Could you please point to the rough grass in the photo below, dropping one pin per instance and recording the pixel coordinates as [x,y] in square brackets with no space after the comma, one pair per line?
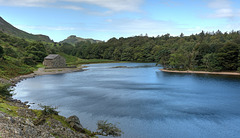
[37,112]
[11,67]
[88,61]
[72,60]
[8,109]
[40,65]
[62,120]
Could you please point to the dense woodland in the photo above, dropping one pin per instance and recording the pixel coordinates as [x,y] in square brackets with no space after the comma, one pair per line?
[215,51]
[211,51]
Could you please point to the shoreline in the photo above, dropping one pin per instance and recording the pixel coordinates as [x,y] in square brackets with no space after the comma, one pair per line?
[18,120]
[43,71]
[201,72]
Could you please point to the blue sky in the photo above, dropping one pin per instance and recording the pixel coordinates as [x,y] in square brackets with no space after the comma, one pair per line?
[104,19]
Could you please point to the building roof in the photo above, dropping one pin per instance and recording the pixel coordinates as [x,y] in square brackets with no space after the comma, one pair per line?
[51,56]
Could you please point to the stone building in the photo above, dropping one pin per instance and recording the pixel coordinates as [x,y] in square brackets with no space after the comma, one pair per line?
[54,61]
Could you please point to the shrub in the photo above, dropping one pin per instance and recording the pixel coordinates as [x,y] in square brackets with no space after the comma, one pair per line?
[108,129]
[5,90]
[1,52]
[48,110]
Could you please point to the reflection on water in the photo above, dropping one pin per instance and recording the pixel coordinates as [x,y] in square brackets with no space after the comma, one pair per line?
[146,101]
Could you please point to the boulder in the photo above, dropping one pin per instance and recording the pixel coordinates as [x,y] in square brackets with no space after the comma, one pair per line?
[75,123]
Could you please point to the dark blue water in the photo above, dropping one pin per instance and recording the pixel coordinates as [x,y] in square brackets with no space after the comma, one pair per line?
[145,101]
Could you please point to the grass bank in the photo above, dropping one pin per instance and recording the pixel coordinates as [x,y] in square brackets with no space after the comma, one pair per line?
[72,60]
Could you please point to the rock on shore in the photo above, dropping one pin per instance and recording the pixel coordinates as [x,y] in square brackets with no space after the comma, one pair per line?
[18,121]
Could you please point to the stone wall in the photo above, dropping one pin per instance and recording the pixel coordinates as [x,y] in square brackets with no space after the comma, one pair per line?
[58,62]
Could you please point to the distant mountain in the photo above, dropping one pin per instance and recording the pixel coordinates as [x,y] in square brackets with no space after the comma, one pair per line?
[73,39]
[11,30]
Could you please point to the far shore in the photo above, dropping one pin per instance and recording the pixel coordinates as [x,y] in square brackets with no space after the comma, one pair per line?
[43,71]
[202,72]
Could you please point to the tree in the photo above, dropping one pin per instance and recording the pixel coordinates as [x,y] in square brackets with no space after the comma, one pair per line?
[202,34]
[10,52]
[228,56]
[201,50]
[211,62]
[1,52]
[178,61]
[66,48]
[181,35]
[37,51]
[108,129]
[5,90]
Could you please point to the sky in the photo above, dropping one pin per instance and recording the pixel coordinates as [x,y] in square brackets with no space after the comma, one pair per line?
[104,19]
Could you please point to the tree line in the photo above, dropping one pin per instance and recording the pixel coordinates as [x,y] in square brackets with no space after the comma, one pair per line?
[211,51]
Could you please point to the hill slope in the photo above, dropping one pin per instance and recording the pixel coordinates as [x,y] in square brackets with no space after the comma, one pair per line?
[74,39]
[11,30]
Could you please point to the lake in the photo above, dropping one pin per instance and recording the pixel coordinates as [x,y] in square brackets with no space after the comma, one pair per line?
[146,102]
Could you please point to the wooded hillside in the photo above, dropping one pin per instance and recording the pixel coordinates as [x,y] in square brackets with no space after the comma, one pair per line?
[211,51]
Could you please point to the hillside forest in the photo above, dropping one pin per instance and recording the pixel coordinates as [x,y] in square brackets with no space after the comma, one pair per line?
[208,51]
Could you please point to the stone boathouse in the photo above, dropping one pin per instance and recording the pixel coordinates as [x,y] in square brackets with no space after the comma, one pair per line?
[54,61]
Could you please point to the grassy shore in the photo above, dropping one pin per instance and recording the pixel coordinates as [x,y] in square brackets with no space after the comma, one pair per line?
[72,60]
[201,72]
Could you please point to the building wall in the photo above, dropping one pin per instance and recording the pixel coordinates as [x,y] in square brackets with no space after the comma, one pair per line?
[57,62]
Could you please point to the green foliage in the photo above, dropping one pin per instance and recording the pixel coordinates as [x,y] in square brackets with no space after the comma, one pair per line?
[211,63]
[5,90]
[1,52]
[108,129]
[73,60]
[228,56]
[48,110]
[212,51]
[66,48]
[10,52]
[238,69]
[20,56]
[8,109]
[36,51]
[11,67]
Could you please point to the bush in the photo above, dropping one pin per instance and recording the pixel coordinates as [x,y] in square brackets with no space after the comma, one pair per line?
[1,52]
[5,90]
[48,110]
[10,52]
[108,129]
[238,69]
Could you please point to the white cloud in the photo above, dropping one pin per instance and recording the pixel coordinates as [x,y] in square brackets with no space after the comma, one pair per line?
[222,9]
[219,4]
[109,20]
[222,13]
[76,8]
[26,3]
[113,5]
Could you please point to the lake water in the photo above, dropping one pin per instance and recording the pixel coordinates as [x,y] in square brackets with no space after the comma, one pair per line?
[146,102]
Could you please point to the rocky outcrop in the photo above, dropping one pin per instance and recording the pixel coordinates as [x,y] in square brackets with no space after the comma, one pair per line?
[19,122]
[75,123]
